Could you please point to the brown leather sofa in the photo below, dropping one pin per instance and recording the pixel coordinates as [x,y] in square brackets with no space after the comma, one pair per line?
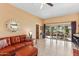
[19,46]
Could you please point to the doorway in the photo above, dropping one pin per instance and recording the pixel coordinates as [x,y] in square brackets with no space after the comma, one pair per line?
[37,31]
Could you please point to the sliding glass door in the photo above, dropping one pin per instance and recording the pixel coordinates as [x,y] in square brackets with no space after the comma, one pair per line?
[58,31]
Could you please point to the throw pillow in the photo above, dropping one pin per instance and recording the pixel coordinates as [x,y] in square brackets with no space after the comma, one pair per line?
[3,43]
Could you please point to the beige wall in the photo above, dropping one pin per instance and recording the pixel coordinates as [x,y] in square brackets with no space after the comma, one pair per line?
[26,21]
[63,19]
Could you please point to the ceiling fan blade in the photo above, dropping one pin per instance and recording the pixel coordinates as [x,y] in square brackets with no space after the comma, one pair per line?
[50,4]
[41,6]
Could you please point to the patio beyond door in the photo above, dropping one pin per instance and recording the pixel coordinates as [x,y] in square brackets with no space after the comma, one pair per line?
[58,31]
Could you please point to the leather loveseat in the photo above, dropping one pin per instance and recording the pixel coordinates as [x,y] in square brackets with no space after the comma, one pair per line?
[16,45]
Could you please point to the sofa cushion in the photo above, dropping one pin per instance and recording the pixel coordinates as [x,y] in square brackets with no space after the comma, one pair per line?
[15,39]
[8,40]
[18,45]
[22,38]
[7,49]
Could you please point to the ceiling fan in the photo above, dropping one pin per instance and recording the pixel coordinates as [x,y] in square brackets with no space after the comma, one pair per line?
[42,5]
[50,4]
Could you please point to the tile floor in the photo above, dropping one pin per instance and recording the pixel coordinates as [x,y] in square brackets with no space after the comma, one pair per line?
[53,47]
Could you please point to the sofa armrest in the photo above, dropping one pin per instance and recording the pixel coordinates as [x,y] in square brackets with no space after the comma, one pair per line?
[29,40]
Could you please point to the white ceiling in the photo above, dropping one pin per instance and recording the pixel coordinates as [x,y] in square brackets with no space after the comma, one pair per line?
[59,9]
